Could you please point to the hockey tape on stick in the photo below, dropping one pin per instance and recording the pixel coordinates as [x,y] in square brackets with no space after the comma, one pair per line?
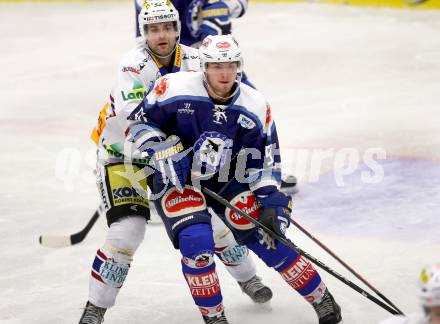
[58,241]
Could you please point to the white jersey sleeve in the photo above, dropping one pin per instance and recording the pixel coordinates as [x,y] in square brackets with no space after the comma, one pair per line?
[136,75]
[135,78]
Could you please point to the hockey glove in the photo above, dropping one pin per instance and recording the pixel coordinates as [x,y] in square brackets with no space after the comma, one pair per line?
[216,19]
[170,162]
[237,8]
[276,209]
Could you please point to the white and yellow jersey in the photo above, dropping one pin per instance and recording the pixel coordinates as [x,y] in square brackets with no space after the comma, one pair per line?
[137,72]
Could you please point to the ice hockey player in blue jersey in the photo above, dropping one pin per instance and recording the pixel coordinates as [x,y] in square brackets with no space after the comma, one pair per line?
[208,129]
[200,18]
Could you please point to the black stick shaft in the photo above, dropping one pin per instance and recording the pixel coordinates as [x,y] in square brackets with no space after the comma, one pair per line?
[300,251]
[357,275]
[80,236]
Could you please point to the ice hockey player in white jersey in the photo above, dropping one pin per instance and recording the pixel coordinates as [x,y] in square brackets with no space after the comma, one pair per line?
[429,294]
[126,210]
[207,129]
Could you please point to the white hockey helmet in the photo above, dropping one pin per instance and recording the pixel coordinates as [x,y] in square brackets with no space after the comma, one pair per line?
[429,286]
[158,11]
[221,48]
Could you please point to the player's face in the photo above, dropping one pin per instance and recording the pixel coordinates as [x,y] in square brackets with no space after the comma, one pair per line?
[221,77]
[161,37]
[434,313]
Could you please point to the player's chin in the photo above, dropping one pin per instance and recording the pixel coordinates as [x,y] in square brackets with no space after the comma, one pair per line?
[226,86]
[163,50]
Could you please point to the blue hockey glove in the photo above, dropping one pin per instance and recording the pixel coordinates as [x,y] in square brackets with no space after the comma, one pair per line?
[276,209]
[216,19]
[170,162]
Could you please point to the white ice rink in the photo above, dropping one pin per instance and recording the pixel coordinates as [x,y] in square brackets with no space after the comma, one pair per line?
[341,81]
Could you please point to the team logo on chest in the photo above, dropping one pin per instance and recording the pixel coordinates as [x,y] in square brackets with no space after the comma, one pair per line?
[211,149]
[245,122]
[161,87]
[219,115]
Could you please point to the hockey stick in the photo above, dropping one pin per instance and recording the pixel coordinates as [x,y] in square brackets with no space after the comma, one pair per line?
[323,246]
[57,241]
[291,245]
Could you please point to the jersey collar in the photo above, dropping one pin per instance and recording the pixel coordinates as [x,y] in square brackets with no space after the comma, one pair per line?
[176,64]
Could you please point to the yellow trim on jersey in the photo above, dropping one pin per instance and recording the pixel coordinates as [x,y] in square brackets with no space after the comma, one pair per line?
[177,58]
[215,12]
[97,131]
[156,60]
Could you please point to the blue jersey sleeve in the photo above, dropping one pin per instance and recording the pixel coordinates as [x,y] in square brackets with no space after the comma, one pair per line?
[263,157]
[216,19]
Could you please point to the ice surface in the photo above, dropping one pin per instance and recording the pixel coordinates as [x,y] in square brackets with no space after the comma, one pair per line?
[337,77]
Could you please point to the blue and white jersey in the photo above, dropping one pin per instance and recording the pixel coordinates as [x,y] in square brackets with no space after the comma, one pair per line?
[242,131]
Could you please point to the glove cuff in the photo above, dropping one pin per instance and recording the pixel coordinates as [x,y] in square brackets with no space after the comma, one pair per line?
[276,199]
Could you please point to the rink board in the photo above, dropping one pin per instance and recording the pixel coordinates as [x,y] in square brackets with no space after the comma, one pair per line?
[407,4]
